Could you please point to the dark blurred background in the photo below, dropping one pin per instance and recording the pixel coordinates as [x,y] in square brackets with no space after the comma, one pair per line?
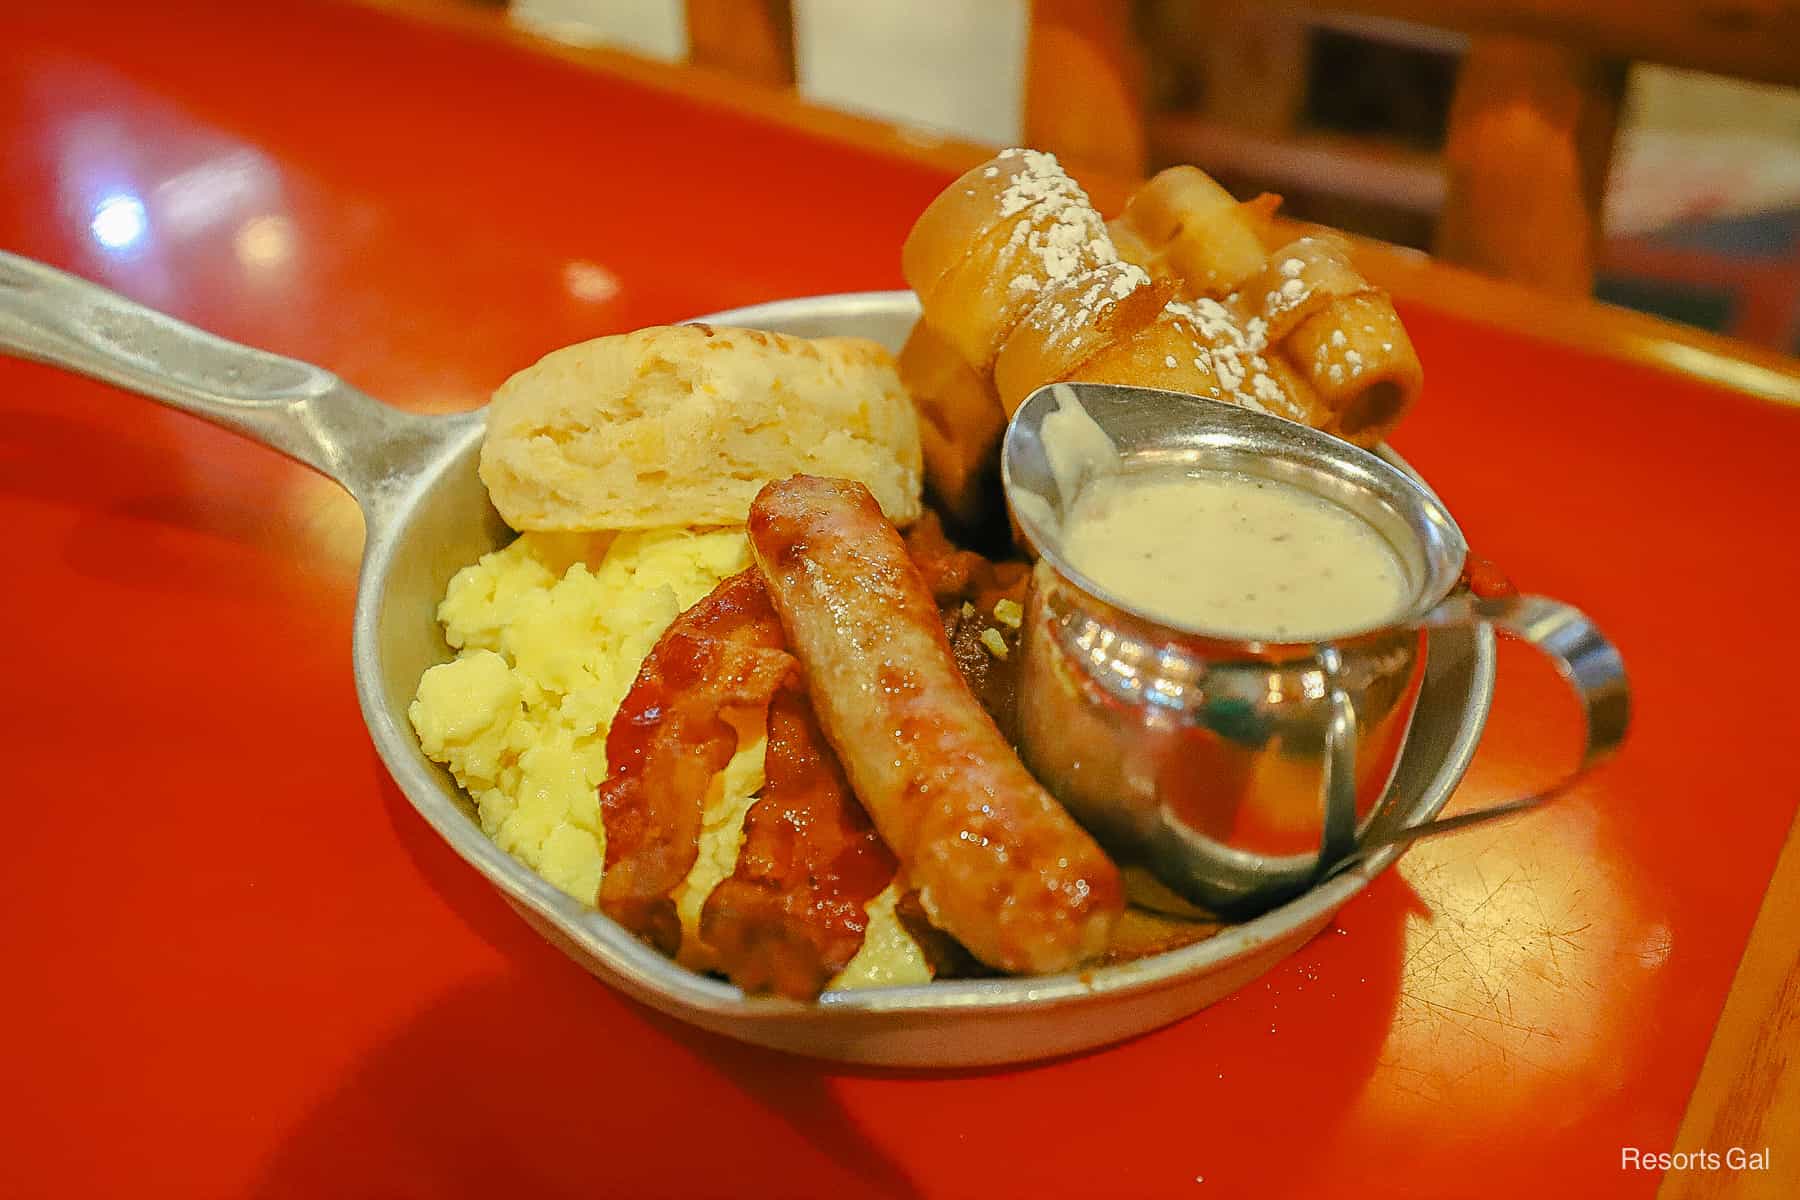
[1570,145]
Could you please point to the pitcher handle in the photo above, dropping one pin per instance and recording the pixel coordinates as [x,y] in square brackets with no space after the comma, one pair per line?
[303,411]
[1587,661]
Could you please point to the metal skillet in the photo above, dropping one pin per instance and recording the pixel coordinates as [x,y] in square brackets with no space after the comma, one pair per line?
[427,515]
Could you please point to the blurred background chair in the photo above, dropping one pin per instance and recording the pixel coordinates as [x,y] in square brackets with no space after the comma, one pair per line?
[1511,136]
[1571,145]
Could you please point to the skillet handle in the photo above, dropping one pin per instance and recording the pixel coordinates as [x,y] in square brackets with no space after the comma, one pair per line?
[1588,662]
[305,412]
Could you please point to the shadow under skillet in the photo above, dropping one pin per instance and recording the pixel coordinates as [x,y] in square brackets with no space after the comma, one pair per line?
[533,1084]
[1333,1002]
[569,1026]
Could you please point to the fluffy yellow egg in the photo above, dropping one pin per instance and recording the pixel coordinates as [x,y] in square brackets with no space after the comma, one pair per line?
[550,633]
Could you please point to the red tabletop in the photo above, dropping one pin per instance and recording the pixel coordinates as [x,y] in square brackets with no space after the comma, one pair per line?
[238,963]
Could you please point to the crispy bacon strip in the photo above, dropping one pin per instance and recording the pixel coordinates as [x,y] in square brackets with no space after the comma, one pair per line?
[670,738]
[791,916]
[998,863]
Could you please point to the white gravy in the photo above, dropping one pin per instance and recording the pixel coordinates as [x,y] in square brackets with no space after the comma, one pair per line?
[1232,553]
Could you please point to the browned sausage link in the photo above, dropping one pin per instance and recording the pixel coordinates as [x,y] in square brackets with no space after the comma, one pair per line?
[670,738]
[998,864]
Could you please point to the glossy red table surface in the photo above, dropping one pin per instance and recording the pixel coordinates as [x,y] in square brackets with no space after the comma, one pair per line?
[236,961]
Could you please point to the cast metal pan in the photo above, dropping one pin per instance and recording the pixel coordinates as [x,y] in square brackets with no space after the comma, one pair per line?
[427,516]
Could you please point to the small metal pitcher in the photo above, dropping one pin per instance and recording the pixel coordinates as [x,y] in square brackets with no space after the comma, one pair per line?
[1241,771]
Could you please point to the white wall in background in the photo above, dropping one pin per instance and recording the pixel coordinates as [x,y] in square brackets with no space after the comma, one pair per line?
[952,65]
[653,28]
[1693,146]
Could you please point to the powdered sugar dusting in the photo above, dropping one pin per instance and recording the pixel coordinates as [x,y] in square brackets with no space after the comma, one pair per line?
[1234,352]
[1336,359]
[1082,299]
[1037,178]
[1061,233]
[1267,389]
[1294,288]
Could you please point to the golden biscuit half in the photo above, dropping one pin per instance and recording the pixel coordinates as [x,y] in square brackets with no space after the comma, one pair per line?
[684,424]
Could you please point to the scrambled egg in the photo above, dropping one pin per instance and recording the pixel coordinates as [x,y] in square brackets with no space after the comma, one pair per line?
[550,632]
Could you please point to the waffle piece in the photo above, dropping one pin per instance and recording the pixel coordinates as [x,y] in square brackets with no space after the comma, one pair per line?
[1132,248]
[1207,237]
[1072,322]
[980,254]
[1339,333]
[960,423]
[1168,352]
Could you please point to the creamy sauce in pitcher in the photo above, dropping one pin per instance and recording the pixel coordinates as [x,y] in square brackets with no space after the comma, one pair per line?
[1232,553]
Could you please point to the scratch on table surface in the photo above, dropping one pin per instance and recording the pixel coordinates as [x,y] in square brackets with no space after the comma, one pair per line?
[1505,969]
